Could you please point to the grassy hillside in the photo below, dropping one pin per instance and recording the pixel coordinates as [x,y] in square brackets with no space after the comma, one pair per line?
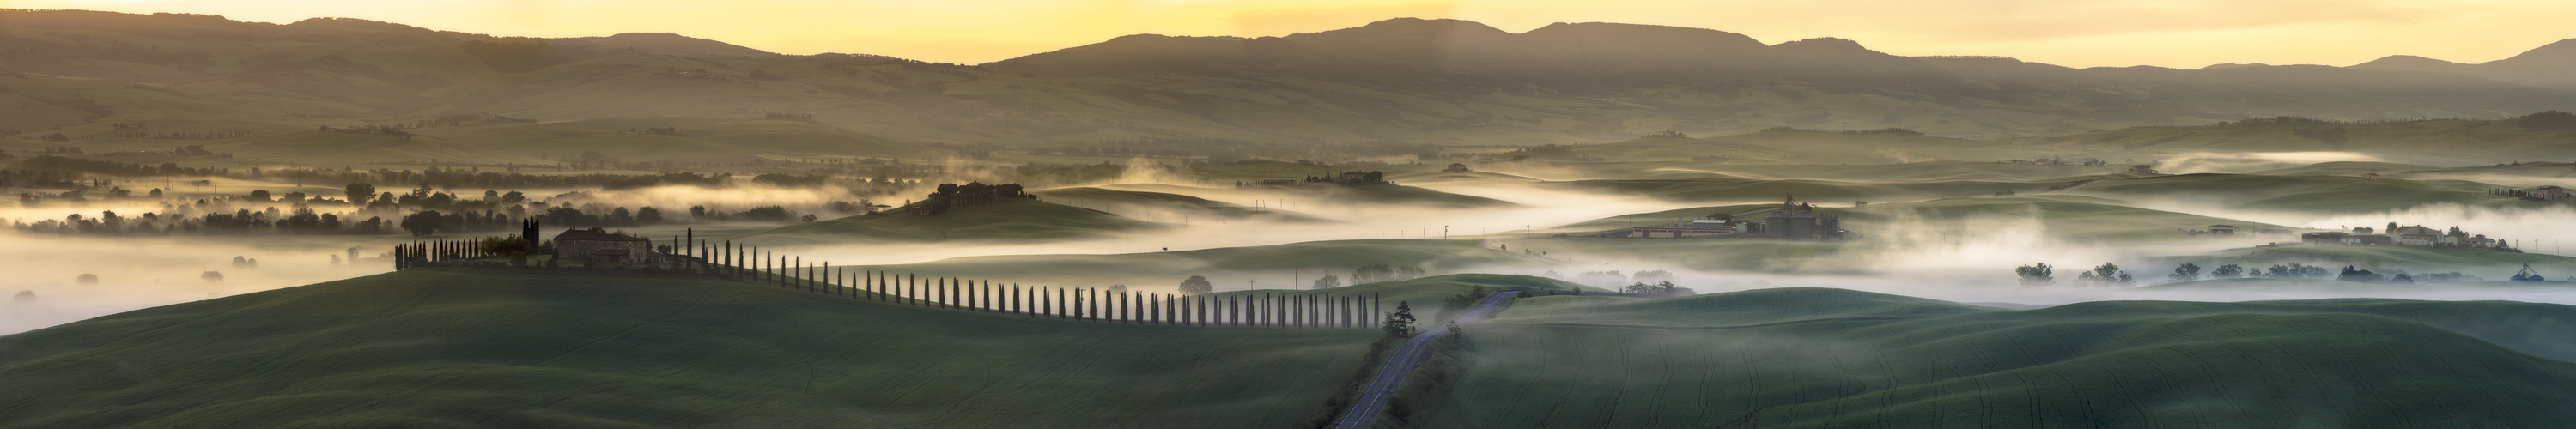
[2423,142]
[2488,264]
[1924,171]
[1852,359]
[1809,147]
[2313,194]
[1018,220]
[445,348]
[2065,218]
[1426,294]
[1231,268]
[696,140]
[1818,191]
[1138,204]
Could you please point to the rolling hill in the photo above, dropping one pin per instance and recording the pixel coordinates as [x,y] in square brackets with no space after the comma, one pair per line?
[1017,220]
[474,348]
[2311,194]
[1798,358]
[1399,80]
[1231,268]
[453,348]
[1139,204]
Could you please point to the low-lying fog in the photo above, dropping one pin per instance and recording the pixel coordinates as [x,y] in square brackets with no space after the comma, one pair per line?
[1966,259]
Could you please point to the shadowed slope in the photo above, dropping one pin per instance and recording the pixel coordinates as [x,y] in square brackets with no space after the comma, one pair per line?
[453,348]
[1007,219]
[1885,361]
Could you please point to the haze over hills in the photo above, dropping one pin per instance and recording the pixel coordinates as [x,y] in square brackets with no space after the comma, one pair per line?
[2545,66]
[1399,80]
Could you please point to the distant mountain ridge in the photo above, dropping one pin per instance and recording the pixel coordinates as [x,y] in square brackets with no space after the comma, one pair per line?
[1398,80]
[2552,66]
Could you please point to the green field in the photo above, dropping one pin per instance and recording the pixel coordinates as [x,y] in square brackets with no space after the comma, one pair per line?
[1018,220]
[2307,194]
[1807,147]
[2492,265]
[1797,358]
[2063,217]
[479,348]
[450,348]
[1426,294]
[1230,268]
[1838,193]
[1160,205]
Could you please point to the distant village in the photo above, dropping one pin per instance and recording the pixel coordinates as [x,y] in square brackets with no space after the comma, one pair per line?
[2412,235]
[1793,221]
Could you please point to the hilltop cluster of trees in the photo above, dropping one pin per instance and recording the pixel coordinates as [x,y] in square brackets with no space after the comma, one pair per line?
[420,211]
[48,169]
[1375,272]
[1659,289]
[951,194]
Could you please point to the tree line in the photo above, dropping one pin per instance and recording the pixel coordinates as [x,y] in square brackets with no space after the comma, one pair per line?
[2111,275]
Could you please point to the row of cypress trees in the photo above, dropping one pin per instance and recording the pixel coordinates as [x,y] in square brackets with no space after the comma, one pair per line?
[749,263]
[422,253]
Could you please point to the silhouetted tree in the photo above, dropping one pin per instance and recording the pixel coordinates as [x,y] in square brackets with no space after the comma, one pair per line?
[1196,285]
[2039,274]
[1400,322]
[1372,273]
[359,193]
[2186,272]
[424,223]
[1328,282]
[2228,271]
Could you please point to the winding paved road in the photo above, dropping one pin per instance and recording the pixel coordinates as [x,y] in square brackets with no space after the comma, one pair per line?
[1410,355]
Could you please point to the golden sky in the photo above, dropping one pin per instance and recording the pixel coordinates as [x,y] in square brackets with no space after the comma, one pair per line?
[2080,33]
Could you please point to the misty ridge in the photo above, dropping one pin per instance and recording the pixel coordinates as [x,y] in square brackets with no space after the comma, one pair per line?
[1667,226]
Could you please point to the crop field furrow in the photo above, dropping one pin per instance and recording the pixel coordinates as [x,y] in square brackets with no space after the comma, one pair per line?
[2347,359]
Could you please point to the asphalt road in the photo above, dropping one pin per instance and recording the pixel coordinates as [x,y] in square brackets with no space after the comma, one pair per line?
[1407,356]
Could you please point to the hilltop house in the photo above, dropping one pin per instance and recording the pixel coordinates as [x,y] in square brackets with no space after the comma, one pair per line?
[611,248]
[2412,235]
[1794,221]
[1715,225]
